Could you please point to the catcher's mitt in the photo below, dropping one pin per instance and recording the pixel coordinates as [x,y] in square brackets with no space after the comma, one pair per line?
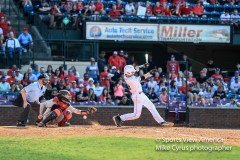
[91,110]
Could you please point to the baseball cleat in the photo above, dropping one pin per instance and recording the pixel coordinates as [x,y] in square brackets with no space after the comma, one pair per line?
[166,124]
[117,120]
[21,124]
[40,124]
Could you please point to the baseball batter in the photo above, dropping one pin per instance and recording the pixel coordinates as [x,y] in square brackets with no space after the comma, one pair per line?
[139,99]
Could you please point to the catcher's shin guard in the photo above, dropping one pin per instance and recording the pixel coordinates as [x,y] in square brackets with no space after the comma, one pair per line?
[24,115]
[50,117]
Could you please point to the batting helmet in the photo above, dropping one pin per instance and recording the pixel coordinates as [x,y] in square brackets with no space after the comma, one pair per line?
[129,70]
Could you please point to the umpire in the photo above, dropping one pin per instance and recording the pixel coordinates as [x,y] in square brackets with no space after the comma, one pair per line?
[29,98]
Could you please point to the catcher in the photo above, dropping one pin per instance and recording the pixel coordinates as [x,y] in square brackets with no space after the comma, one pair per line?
[60,109]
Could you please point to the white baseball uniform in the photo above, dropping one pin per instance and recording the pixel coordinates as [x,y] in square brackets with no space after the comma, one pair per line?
[139,100]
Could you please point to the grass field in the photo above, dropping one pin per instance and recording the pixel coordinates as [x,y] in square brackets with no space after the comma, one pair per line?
[101,148]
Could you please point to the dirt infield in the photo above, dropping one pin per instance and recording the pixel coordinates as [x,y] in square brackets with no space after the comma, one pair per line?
[229,137]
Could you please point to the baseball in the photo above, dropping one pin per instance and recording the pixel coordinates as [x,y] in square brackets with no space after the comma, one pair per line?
[85,117]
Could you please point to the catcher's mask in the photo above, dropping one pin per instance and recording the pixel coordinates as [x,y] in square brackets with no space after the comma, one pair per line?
[64,96]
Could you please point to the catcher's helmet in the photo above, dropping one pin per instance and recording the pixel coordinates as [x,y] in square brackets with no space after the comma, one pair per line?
[129,70]
[64,96]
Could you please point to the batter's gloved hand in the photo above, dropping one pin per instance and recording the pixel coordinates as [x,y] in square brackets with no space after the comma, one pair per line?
[91,110]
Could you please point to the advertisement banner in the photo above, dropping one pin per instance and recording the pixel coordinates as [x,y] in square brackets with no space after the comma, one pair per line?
[158,32]
[121,31]
[194,33]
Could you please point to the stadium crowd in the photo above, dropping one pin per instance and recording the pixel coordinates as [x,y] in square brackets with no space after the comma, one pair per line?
[12,44]
[79,10]
[103,82]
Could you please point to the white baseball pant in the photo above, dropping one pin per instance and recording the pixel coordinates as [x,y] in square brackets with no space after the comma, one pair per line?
[139,101]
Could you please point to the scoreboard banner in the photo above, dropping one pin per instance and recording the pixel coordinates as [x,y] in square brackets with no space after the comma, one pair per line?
[158,32]
[194,33]
[121,31]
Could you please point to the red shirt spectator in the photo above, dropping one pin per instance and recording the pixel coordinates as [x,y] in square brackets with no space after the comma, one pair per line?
[10,29]
[167,11]
[119,6]
[148,8]
[11,80]
[105,80]
[185,9]
[4,25]
[122,62]
[71,76]
[114,60]
[80,6]
[163,1]
[217,75]
[157,10]
[1,14]
[198,9]
[99,6]
[173,65]
[114,13]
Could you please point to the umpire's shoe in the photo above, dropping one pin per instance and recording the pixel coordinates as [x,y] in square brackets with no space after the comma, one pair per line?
[166,124]
[21,124]
[117,120]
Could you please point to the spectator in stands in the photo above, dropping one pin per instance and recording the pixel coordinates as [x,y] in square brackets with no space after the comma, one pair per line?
[149,10]
[74,15]
[75,72]
[236,75]
[192,94]
[225,17]
[2,49]
[211,67]
[166,10]
[151,83]
[191,79]
[120,6]
[81,96]
[10,29]
[122,61]
[4,86]
[114,60]
[157,9]
[198,9]
[16,87]
[11,79]
[13,46]
[217,75]
[119,90]
[114,14]
[232,103]
[99,7]
[91,95]
[124,101]
[173,65]
[235,17]
[105,78]
[4,26]
[61,73]
[105,94]
[175,10]
[36,71]
[202,77]
[186,64]
[55,16]
[98,90]
[50,69]
[25,40]
[18,75]
[90,84]
[74,89]
[25,81]
[92,70]
[151,95]
[235,86]
[173,89]
[201,99]
[44,6]
[163,98]
[179,80]
[101,61]
[31,77]
[71,76]
[186,10]
[219,93]
[129,8]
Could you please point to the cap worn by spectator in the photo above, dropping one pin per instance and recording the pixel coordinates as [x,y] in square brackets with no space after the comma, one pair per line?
[92,59]
[113,67]
[74,82]
[115,53]
[81,85]
[90,79]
